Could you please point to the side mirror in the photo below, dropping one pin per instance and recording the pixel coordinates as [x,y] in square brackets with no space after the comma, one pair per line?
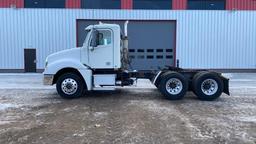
[94,40]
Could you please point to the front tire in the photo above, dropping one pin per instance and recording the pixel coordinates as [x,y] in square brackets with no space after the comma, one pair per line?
[173,86]
[207,86]
[70,86]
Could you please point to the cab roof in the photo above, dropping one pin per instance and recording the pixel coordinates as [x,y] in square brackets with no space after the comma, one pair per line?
[103,25]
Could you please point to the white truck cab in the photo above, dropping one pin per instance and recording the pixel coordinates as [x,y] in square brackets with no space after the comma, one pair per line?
[101,50]
[101,64]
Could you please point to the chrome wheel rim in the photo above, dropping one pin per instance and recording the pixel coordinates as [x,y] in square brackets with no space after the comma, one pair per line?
[174,86]
[209,87]
[69,86]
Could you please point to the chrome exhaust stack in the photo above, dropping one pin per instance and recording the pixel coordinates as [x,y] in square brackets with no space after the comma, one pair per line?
[125,51]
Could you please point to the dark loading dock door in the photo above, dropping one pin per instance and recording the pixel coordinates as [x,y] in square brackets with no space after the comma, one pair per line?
[30,60]
[151,43]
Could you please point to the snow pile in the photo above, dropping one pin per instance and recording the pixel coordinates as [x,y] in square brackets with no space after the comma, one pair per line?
[4,106]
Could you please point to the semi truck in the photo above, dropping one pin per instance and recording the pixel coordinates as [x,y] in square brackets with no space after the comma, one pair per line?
[103,63]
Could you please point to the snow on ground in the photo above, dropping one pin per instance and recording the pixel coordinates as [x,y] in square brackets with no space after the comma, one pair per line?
[4,106]
[33,113]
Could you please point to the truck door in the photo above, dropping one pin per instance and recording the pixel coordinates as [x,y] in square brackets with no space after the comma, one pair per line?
[101,54]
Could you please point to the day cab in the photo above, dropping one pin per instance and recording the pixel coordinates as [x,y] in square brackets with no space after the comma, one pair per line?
[102,64]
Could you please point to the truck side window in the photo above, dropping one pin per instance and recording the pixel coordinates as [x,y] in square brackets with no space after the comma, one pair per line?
[104,37]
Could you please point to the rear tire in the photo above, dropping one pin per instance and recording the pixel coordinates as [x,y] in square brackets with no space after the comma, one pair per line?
[207,86]
[195,77]
[173,85]
[70,86]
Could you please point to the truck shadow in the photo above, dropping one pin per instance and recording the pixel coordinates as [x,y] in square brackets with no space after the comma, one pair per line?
[124,94]
[127,94]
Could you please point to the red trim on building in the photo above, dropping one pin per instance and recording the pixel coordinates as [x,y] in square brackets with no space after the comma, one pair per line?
[241,4]
[179,4]
[73,3]
[126,4]
[10,3]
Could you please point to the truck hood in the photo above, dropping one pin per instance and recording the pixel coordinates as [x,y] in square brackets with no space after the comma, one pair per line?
[73,54]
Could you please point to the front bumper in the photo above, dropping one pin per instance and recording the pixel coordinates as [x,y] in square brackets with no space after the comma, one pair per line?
[48,79]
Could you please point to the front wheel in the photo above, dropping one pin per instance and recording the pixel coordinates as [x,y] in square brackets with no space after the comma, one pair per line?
[70,86]
[173,86]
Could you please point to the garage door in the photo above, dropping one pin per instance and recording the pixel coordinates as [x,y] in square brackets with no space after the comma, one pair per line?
[151,43]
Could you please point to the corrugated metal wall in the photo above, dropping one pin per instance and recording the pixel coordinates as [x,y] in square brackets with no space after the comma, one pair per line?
[205,39]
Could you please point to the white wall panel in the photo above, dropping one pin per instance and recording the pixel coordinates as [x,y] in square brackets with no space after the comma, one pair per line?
[205,39]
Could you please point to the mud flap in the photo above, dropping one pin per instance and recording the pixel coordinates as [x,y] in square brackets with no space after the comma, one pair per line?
[226,85]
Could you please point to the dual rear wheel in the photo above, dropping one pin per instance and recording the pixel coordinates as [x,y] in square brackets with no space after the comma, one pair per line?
[206,85]
[173,85]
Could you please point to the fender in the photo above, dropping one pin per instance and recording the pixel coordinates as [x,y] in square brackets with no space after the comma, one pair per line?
[155,80]
[226,85]
[58,65]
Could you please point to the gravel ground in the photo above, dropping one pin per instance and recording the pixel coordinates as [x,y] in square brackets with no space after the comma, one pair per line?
[32,113]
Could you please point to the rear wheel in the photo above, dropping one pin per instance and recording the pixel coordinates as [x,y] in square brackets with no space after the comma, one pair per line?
[207,86]
[173,86]
[195,77]
[70,86]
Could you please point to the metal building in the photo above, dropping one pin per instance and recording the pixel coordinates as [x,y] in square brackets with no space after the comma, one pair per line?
[202,34]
